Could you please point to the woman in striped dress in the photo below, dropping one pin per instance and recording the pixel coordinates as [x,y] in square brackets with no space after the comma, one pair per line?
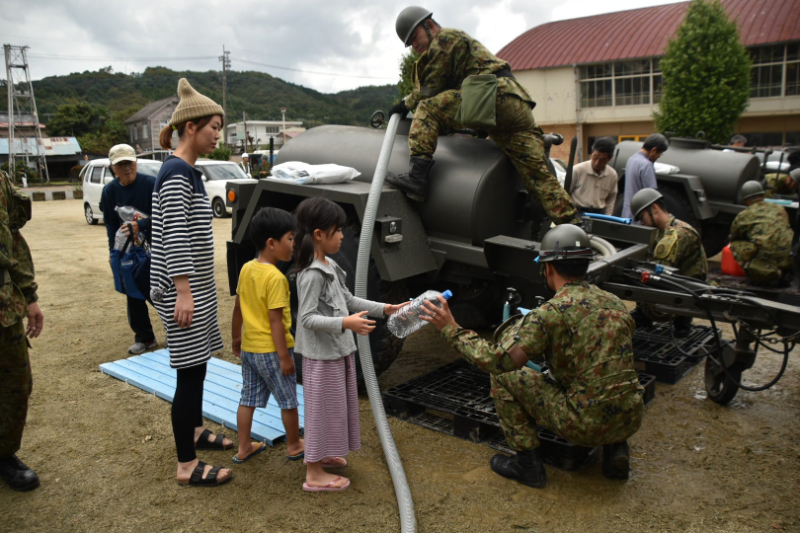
[324,338]
[182,278]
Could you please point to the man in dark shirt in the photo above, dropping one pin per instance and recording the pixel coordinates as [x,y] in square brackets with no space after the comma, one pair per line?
[135,190]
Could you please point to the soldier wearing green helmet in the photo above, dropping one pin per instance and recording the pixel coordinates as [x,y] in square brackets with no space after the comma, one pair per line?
[677,245]
[459,84]
[588,391]
[761,237]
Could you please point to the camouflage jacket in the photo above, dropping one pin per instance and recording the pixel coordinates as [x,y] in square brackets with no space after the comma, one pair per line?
[453,55]
[766,225]
[17,287]
[583,333]
[775,184]
[678,245]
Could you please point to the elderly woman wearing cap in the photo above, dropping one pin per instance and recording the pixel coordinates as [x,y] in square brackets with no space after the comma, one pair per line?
[135,190]
[182,278]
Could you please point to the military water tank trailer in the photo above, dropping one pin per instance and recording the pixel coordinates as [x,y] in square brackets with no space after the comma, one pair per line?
[474,236]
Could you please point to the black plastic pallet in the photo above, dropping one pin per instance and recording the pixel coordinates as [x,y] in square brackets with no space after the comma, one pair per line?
[655,352]
[455,400]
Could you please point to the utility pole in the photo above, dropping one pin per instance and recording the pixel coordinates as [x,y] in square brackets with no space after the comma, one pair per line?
[21,102]
[226,65]
[244,119]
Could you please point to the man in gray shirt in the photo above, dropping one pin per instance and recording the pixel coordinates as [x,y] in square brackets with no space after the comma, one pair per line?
[640,172]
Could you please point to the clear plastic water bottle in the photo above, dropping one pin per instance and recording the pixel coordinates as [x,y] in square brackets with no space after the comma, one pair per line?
[406,321]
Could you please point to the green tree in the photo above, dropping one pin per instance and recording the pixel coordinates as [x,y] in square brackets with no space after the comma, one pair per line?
[706,72]
[406,85]
[74,120]
[220,153]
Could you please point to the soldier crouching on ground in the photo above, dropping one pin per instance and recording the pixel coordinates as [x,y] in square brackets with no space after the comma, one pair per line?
[678,245]
[449,59]
[761,238]
[17,301]
[590,394]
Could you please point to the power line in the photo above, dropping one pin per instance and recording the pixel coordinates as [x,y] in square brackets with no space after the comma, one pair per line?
[109,58]
[314,72]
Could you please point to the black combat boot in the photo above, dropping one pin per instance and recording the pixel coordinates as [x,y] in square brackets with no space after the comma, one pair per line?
[415,182]
[525,467]
[616,460]
[17,474]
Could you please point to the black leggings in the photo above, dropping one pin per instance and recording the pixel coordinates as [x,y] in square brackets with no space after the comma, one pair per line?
[187,410]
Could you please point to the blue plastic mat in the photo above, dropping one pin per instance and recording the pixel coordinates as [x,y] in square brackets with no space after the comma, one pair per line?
[151,372]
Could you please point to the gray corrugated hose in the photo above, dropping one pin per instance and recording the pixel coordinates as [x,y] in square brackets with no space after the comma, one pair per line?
[408,522]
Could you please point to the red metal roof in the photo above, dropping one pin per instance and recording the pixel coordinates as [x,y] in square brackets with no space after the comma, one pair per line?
[640,33]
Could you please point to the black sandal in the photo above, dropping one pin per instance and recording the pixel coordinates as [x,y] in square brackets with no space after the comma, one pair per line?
[204,443]
[210,480]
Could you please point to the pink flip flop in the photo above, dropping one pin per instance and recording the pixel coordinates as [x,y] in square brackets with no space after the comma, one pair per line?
[326,488]
[337,462]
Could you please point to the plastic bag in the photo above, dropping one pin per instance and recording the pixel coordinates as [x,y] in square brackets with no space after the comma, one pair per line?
[305,174]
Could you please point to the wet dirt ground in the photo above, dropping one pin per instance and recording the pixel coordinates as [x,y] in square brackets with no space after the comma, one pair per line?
[106,457]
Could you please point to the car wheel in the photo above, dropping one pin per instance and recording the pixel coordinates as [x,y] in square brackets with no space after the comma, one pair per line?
[87,212]
[219,208]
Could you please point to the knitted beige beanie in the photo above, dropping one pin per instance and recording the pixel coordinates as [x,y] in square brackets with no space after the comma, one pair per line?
[193,105]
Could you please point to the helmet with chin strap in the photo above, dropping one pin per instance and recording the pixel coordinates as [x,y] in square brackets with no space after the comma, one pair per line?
[408,19]
[566,241]
[643,200]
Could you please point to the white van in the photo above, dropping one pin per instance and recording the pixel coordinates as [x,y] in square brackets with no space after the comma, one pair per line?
[94,177]
[215,175]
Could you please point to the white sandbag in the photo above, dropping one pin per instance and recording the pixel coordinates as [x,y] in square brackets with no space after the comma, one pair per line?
[305,174]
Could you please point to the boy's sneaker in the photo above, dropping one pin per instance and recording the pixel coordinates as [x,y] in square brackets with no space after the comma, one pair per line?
[140,347]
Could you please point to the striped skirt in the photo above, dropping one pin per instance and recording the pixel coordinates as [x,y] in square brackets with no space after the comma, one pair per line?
[330,392]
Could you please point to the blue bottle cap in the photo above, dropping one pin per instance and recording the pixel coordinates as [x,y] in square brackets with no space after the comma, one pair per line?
[447,294]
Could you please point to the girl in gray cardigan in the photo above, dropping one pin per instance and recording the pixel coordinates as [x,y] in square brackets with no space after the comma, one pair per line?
[332,427]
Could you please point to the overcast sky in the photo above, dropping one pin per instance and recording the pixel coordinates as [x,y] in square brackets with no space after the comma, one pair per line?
[327,45]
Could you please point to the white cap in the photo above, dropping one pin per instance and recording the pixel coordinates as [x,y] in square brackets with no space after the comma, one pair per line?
[795,174]
[121,152]
[245,155]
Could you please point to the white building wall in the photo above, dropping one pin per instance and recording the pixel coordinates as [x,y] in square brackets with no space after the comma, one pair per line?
[553,90]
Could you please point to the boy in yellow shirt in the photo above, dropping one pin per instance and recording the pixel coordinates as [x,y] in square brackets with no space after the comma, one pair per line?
[260,330]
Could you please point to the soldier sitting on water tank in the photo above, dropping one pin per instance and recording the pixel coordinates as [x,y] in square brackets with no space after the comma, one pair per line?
[677,244]
[590,393]
[761,238]
[451,60]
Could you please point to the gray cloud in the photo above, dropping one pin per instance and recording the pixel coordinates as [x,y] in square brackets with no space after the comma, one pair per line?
[349,39]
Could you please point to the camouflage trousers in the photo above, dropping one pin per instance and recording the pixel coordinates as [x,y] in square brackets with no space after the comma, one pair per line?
[761,266]
[15,387]
[516,134]
[525,399]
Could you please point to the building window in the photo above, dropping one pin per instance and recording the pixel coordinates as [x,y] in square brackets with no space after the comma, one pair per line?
[145,132]
[162,125]
[775,71]
[621,83]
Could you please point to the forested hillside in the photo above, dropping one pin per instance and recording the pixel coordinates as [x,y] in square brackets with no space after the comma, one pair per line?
[257,93]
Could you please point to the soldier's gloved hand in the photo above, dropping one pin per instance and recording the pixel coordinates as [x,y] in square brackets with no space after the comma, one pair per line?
[400,108]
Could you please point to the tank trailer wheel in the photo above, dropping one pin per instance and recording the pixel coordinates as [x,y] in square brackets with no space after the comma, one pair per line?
[377,119]
[720,388]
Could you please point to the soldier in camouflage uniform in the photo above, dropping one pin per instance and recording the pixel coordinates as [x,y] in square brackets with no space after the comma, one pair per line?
[761,238]
[447,57]
[17,301]
[677,243]
[590,394]
[781,184]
